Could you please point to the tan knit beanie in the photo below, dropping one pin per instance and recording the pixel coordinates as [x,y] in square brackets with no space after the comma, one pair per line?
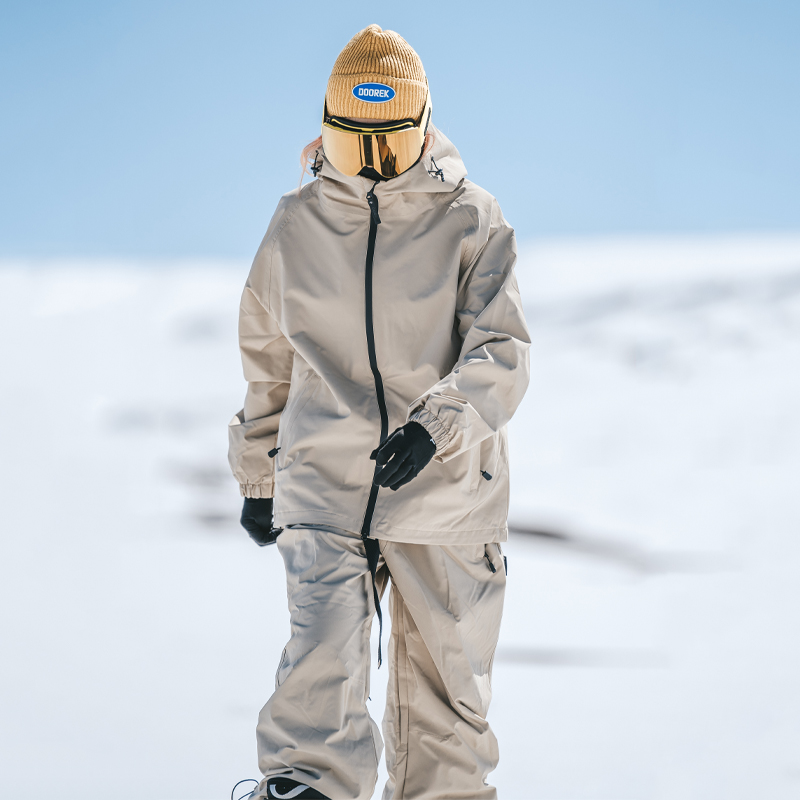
[374,56]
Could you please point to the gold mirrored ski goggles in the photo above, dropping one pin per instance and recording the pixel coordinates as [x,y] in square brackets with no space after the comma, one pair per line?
[390,148]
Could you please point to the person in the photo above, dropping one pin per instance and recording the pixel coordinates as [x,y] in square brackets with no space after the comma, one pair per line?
[385,350]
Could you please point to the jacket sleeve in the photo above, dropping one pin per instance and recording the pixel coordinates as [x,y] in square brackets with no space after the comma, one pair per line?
[482,391]
[267,359]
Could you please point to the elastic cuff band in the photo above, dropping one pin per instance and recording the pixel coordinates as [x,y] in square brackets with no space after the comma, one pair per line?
[256,490]
[434,426]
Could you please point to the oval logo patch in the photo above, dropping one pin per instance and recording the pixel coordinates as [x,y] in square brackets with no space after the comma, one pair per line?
[373,92]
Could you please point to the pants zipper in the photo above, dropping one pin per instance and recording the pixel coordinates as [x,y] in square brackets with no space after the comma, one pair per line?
[371,545]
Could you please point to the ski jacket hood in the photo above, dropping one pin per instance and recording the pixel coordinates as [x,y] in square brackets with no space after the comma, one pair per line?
[360,314]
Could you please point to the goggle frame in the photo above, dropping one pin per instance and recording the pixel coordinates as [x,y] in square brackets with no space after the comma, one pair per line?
[351,146]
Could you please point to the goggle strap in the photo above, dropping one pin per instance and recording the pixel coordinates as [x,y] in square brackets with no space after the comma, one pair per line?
[383,128]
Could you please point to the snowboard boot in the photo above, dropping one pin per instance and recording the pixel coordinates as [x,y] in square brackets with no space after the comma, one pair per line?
[287,789]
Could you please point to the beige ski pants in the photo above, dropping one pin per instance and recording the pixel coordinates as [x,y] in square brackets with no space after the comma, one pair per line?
[445,605]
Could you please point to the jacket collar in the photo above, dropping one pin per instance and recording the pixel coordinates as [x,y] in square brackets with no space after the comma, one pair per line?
[439,170]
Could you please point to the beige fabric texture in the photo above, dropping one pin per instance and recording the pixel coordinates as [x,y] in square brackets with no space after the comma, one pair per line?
[377,56]
[446,605]
[451,345]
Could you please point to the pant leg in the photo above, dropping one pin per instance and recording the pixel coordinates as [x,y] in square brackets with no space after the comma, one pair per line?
[446,605]
[316,728]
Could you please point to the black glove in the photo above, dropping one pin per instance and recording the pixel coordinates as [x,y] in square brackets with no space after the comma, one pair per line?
[410,448]
[257,520]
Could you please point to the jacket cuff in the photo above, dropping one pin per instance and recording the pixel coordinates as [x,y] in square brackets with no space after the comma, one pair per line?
[256,490]
[434,426]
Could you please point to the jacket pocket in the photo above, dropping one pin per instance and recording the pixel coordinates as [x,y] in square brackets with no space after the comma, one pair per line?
[486,462]
[291,412]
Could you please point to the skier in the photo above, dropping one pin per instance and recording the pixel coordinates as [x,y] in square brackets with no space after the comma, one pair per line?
[385,349]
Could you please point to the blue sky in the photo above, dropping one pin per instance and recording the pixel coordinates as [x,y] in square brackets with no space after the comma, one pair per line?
[170,129]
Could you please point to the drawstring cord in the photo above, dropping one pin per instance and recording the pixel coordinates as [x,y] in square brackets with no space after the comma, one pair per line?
[436,171]
[316,168]
[373,549]
[249,794]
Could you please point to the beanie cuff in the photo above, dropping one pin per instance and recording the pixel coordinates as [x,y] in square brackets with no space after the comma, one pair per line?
[407,103]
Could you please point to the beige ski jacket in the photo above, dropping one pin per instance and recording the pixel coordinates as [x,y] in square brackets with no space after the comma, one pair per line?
[368,306]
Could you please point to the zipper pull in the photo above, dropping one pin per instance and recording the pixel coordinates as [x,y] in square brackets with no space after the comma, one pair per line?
[272,453]
[373,204]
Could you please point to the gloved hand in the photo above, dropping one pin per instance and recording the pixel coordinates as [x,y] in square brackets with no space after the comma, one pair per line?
[403,455]
[257,520]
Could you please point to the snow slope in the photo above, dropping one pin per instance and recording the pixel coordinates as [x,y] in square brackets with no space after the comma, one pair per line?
[650,643]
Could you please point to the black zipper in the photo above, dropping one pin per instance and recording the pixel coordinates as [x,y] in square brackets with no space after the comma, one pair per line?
[374,221]
[371,545]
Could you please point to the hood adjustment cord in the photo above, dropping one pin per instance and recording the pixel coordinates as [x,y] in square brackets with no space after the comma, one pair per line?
[316,167]
[436,171]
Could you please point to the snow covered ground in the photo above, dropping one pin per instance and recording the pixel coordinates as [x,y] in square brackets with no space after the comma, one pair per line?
[650,647]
